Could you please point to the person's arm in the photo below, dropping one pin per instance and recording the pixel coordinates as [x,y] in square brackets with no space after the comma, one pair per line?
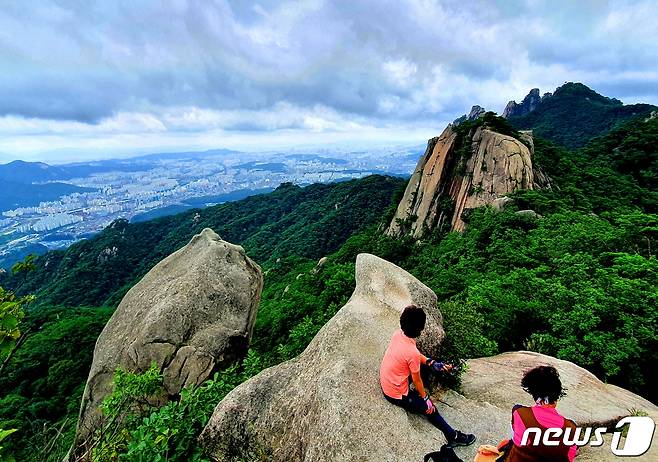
[418,384]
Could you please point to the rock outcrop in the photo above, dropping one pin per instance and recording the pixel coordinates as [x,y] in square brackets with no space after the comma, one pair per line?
[476,111]
[529,104]
[190,314]
[456,175]
[326,404]
[492,386]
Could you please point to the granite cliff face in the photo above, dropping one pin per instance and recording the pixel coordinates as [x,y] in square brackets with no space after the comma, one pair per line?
[191,313]
[460,172]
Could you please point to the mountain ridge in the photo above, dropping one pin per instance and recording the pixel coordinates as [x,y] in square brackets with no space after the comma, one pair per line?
[572,115]
[265,224]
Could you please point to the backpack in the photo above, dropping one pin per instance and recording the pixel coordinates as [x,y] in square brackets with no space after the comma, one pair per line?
[446,454]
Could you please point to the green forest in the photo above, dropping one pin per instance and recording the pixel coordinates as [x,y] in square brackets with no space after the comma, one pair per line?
[579,282]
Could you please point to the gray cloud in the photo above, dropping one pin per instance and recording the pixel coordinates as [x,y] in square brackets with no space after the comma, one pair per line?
[368,62]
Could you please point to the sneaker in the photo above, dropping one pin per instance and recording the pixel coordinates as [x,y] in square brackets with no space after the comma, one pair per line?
[461,439]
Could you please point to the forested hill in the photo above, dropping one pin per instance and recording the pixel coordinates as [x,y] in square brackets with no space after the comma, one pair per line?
[291,221]
[575,114]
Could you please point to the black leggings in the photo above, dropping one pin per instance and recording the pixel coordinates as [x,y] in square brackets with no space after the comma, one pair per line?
[415,404]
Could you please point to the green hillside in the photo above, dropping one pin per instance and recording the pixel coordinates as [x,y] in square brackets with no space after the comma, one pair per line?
[307,222]
[43,383]
[575,114]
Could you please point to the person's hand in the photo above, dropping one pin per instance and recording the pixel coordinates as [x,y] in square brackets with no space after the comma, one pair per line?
[430,405]
[438,366]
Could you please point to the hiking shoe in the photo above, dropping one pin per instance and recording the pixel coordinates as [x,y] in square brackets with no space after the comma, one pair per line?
[462,439]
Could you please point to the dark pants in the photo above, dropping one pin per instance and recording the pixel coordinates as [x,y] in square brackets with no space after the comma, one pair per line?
[414,403]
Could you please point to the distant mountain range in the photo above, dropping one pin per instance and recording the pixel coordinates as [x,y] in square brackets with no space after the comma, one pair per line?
[36,172]
[14,194]
[17,190]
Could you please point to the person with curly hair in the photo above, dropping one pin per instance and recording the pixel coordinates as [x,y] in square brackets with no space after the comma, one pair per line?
[401,365]
[544,385]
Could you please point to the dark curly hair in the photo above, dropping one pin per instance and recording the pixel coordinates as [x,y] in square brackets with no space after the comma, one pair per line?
[412,321]
[543,382]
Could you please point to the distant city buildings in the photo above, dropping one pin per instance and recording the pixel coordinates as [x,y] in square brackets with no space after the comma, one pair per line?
[170,180]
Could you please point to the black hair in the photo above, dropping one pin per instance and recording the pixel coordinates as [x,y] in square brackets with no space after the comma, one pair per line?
[543,382]
[412,321]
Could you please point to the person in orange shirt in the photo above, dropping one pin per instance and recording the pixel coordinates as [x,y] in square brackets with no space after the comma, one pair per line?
[401,364]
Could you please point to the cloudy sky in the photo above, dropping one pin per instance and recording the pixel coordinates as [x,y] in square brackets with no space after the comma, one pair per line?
[85,79]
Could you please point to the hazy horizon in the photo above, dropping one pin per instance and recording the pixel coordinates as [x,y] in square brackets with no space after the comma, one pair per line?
[85,82]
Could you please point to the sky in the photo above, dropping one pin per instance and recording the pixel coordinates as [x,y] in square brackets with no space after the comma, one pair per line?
[82,79]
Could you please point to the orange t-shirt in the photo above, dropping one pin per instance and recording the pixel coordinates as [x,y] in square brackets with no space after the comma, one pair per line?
[401,359]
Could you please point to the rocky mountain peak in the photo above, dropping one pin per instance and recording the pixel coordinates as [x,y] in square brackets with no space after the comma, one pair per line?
[529,104]
[461,170]
[474,114]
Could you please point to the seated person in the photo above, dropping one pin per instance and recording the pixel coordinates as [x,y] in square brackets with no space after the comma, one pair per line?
[401,363]
[543,383]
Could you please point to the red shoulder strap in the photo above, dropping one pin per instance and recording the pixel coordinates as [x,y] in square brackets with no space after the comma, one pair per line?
[528,418]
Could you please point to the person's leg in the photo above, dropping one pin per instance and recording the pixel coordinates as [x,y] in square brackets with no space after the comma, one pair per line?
[416,404]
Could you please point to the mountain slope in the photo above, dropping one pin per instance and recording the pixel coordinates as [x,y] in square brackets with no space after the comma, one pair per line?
[30,172]
[574,114]
[291,221]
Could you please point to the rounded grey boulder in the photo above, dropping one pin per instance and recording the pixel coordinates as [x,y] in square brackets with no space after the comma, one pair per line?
[190,314]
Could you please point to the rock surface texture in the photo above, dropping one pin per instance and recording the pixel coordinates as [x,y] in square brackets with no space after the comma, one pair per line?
[448,179]
[326,404]
[192,313]
[493,385]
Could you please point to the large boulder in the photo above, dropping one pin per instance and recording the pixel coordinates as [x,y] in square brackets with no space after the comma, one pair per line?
[492,386]
[326,404]
[190,314]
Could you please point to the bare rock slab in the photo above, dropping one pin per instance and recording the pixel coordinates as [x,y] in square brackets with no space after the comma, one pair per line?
[326,404]
[492,386]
